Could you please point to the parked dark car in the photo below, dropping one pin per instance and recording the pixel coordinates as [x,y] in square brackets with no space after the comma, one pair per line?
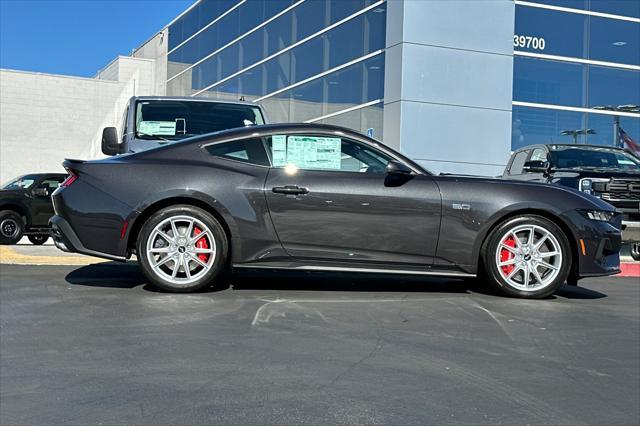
[25,207]
[609,173]
[324,198]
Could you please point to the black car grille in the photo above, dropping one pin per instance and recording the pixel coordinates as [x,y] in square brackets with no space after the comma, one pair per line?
[620,190]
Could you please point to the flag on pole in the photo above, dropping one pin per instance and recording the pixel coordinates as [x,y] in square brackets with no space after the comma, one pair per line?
[625,141]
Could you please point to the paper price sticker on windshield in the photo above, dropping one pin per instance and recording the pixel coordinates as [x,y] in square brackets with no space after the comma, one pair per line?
[163,128]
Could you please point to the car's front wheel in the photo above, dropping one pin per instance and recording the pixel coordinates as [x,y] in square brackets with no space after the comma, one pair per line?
[182,249]
[527,256]
[11,227]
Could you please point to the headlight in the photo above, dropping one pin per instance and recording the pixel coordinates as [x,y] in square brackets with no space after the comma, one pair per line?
[588,185]
[599,215]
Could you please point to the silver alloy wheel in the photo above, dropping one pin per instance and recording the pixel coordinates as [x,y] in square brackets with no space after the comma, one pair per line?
[176,252]
[529,257]
[9,228]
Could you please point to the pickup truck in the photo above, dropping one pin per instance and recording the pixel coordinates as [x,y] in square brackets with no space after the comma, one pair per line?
[609,173]
[152,121]
[25,207]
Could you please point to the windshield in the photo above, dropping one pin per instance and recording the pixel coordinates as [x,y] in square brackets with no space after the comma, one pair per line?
[170,120]
[593,158]
[23,182]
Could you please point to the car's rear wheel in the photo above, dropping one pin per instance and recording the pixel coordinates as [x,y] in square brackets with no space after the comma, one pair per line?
[11,227]
[182,249]
[527,256]
[38,239]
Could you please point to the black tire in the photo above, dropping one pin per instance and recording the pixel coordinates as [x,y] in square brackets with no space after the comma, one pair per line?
[635,250]
[217,263]
[11,227]
[491,268]
[38,240]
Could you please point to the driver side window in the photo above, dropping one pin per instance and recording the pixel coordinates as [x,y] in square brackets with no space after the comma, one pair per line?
[324,152]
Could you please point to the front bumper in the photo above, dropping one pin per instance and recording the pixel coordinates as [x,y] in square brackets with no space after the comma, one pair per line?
[630,230]
[66,240]
[599,244]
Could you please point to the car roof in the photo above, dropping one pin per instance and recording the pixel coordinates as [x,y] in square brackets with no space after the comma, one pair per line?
[573,145]
[193,99]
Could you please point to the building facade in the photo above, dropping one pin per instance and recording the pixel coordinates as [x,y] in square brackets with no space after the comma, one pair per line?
[454,84]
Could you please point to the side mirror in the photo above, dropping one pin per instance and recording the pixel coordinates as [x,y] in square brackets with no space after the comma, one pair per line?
[41,192]
[110,145]
[535,167]
[397,168]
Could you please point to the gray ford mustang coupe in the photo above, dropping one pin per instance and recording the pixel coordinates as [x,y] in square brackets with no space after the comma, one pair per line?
[324,198]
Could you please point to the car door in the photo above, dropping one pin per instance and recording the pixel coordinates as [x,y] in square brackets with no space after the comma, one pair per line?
[41,205]
[329,198]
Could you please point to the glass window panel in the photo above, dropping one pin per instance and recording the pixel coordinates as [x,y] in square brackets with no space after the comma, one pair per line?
[251,84]
[307,101]
[279,33]
[278,72]
[309,18]
[612,86]
[550,32]
[175,34]
[340,9]
[540,126]
[277,108]
[229,60]
[249,150]
[251,14]
[549,82]
[606,133]
[374,77]
[617,7]
[615,41]
[253,47]
[361,120]
[308,59]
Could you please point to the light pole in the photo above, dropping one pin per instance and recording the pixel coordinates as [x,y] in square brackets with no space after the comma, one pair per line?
[616,118]
[577,132]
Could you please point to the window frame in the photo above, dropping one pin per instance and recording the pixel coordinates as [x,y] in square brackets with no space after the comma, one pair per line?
[527,151]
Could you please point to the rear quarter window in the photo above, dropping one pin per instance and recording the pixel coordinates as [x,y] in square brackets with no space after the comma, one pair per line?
[247,150]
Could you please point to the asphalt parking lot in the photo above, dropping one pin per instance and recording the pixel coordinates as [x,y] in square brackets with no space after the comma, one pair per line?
[95,345]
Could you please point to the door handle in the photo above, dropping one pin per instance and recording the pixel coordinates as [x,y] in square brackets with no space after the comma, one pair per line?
[290,190]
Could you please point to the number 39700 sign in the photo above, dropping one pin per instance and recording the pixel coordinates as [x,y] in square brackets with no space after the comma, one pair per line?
[528,42]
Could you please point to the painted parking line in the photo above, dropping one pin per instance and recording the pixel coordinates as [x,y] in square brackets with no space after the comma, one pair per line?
[12,257]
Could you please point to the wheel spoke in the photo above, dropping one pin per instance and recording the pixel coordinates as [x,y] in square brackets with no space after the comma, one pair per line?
[163,261]
[161,250]
[509,248]
[165,236]
[537,245]
[174,229]
[187,234]
[517,240]
[513,272]
[536,274]
[549,254]
[185,262]
[507,262]
[197,237]
[531,235]
[176,266]
[199,262]
[549,266]
[202,250]
[525,280]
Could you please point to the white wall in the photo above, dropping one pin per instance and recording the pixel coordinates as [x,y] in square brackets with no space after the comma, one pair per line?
[448,83]
[45,118]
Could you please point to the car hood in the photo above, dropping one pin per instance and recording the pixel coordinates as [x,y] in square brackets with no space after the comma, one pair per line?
[581,199]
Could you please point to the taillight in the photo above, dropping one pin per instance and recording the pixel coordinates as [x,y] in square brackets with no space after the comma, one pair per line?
[69,180]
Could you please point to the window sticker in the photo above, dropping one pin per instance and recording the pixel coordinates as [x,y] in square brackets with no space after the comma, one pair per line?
[165,128]
[279,150]
[307,152]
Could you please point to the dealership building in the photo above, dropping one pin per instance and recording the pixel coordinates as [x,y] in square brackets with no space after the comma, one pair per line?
[454,84]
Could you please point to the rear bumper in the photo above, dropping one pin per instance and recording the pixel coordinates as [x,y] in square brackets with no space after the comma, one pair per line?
[66,240]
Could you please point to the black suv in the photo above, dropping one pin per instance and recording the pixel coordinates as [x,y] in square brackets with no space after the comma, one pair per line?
[612,174]
[25,207]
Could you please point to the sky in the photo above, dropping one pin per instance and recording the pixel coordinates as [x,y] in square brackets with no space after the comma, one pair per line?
[78,37]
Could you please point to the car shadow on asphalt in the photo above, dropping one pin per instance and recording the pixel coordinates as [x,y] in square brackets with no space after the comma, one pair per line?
[128,275]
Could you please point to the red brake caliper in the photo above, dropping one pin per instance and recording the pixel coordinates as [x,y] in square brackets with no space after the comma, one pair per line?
[201,243]
[507,255]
